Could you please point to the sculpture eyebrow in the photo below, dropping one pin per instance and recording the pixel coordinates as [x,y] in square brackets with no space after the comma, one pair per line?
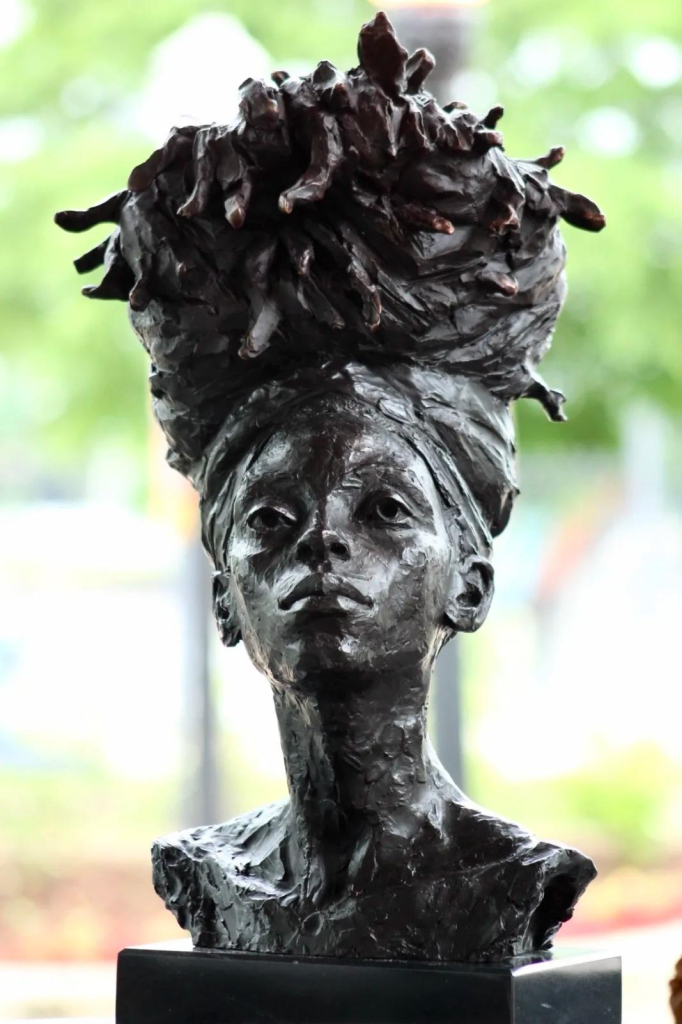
[282,477]
[256,486]
[372,464]
[404,484]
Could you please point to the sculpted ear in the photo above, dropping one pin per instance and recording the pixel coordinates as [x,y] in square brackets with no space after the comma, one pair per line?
[472,593]
[228,627]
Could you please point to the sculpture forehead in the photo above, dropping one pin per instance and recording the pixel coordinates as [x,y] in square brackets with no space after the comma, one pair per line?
[326,446]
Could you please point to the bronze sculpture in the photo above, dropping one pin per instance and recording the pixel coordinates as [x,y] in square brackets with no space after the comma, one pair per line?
[341,294]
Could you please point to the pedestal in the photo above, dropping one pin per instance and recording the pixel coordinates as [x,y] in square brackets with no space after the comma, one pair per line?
[176,984]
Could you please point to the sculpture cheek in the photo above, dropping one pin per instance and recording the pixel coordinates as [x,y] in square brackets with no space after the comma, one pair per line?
[413,558]
[246,590]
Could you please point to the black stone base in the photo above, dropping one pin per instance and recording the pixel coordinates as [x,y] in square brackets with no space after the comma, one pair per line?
[176,984]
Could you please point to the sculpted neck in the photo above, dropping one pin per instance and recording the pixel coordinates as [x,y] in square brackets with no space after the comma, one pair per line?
[357,759]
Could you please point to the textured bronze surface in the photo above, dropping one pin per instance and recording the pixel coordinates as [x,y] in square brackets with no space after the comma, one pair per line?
[341,293]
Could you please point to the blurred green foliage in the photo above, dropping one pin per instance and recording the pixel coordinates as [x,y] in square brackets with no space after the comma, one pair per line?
[71,376]
[619,803]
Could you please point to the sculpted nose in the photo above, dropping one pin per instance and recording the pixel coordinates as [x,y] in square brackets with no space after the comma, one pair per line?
[319,545]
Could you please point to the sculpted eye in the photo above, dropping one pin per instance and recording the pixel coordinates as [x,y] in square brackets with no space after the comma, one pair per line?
[268,519]
[386,510]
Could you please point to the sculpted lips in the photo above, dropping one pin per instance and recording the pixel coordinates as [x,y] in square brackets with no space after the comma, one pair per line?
[324,585]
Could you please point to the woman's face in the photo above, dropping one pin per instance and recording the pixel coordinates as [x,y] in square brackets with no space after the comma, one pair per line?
[340,560]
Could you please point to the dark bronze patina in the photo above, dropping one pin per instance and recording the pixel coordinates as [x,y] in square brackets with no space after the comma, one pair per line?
[341,293]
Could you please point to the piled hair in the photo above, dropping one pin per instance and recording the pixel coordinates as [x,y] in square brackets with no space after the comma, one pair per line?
[340,217]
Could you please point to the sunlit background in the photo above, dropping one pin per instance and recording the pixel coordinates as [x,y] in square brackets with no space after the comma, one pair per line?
[119,720]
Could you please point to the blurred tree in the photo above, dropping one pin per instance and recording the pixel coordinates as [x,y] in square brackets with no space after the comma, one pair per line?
[604,79]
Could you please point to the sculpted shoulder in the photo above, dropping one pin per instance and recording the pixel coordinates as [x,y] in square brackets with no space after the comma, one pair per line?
[515,887]
[235,847]
[483,840]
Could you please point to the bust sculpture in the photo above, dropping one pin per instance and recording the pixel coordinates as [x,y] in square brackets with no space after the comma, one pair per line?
[341,293]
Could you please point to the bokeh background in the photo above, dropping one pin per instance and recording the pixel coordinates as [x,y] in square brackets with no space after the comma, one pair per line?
[120,719]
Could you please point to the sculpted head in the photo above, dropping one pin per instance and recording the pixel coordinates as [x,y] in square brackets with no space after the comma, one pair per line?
[342,556]
[341,293]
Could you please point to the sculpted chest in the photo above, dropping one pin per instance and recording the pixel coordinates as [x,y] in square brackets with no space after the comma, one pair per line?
[506,895]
